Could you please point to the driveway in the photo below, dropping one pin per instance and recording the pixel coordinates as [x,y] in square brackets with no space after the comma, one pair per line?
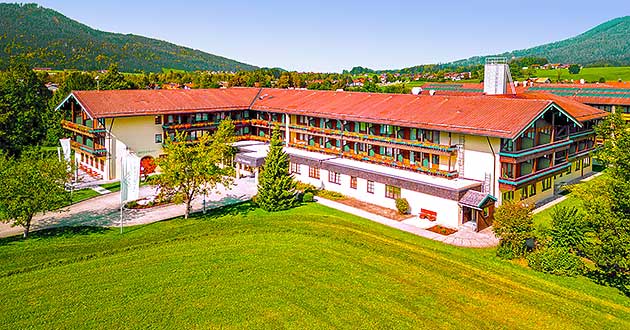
[105,210]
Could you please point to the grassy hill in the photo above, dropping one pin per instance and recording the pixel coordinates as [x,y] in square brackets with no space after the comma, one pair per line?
[311,267]
[607,43]
[589,74]
[46,38]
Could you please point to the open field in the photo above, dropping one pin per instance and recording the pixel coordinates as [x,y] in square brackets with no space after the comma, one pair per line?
[588,74]
[311,267]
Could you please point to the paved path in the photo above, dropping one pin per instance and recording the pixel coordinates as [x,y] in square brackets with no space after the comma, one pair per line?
[463,237]
[105,210]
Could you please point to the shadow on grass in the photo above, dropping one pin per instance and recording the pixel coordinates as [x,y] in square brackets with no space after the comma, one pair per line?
[56,232]
[238,208]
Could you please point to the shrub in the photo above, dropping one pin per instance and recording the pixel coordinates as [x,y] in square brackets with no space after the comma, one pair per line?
[307,197]
[556,261]
[567,228]
[305,187]
[514,225]
[332,195]
[402,205]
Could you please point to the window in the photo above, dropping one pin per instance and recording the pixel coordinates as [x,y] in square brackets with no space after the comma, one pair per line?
[353,182]
[586,162]
[334,177]
[370,187]
[158,138]
[294,168]
[313,172]
[546,184]
[435,160]
[532,190]
[392,192]
[508,195]
[569,169]
[577,165]
[158,120]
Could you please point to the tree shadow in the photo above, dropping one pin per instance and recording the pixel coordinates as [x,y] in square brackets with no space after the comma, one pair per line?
[55,232]
[233,209]
[620,282]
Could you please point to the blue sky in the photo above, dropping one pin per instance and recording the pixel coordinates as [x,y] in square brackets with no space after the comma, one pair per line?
[331,36]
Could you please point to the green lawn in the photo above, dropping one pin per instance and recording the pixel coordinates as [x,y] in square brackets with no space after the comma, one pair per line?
[311,267]
[83,194]
[588,74]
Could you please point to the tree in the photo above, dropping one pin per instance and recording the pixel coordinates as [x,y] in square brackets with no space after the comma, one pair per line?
[29,185]
[607,206]
[190,169]
[23,108]
[567,229]
[276,187]
[113,79]
[514,225]
[574,69]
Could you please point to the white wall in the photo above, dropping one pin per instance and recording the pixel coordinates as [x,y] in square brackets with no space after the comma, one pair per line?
[447,210]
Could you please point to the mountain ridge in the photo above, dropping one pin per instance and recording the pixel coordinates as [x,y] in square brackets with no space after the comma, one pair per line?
[46,38]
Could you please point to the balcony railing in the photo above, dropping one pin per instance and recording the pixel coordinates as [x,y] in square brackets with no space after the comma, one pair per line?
[536,150]
[81,129]
[206,124]
[533,176]
[367,138]
[96,150]
[377,159]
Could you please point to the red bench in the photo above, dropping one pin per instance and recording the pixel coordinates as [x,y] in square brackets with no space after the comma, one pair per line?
[428,214]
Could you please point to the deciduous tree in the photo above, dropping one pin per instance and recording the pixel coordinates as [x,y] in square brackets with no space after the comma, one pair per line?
[192,168]
[513,224]
[29,185]
[23,107]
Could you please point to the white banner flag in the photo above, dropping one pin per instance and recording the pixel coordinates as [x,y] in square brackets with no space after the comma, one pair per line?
[65,147]
[130,179]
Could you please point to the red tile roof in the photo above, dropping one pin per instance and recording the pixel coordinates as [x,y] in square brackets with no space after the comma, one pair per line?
[121,103]
[578,110]
[479,115]
[494,116]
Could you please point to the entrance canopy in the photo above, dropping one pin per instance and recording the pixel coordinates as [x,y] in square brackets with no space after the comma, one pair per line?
[477,200]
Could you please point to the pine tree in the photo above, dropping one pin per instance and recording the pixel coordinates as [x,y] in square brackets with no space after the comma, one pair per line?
[276,187]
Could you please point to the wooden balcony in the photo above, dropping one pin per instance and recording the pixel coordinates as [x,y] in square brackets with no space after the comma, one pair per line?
[81,129]
[420,146]
[514,157]
[515,183]
[377,159]
[96,150]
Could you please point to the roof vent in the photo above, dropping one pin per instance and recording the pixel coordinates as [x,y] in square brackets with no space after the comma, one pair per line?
[432,92]
[262,96]
[416,90]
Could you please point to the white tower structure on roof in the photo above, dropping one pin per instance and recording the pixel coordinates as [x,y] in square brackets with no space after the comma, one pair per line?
[497,76]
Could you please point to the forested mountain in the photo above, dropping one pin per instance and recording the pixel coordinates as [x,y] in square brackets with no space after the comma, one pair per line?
[46,38]
[605,44]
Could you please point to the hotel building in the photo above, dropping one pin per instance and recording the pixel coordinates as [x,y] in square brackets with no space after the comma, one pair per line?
[454,158]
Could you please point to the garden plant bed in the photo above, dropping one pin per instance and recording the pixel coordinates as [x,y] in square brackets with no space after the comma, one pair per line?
[442,230]
[376,209]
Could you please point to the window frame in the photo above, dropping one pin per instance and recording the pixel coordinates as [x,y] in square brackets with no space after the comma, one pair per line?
[392,192]
[294,168]
[370,187]
[334,177]
[158,138]
[353,182]
[313,172]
